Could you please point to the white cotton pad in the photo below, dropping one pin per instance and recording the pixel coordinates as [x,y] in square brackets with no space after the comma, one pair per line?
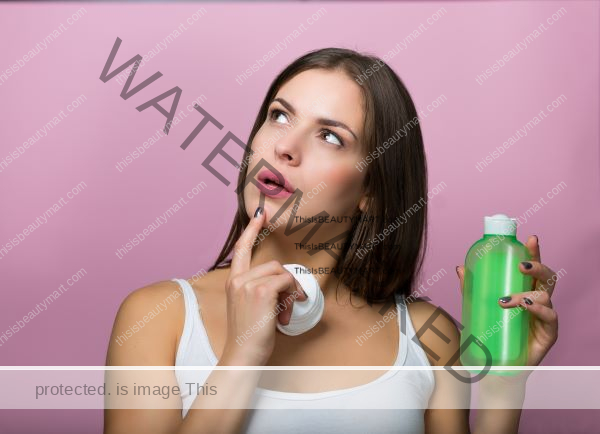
[305,314]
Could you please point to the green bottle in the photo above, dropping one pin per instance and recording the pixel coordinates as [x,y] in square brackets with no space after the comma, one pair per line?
[492,271]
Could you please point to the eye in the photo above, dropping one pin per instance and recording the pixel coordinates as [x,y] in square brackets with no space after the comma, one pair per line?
[330,133]
[275,114]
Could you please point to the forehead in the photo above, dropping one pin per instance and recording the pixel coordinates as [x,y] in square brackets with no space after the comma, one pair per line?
[319,93]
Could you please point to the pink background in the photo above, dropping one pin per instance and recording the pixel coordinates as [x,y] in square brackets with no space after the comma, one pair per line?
[205,60]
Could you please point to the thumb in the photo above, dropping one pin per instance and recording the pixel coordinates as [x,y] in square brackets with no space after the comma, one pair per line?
[300,294]
[460,271]
[287,298]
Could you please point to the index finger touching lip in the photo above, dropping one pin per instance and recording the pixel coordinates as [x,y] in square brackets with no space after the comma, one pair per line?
[242,252]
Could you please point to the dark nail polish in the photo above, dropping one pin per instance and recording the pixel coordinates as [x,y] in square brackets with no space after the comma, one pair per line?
[527,300]
[258,212]
[305,294]
[537,240]
[505,299]
[527,265]
[457,271]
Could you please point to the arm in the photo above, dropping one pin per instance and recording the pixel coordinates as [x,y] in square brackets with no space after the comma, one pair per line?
[155,345]
[448,410]
[252,293]
[449,404]
[507,395]
[235,390]
[501,398]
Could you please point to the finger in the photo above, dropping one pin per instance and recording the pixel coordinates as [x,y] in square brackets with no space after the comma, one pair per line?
[460,271]
[286,304]
[284,288]
[284,283]
[541,273]
[533,247]
[270,268]
[271,288]
[242,251]
[542,312]
[287,298]
[514,300]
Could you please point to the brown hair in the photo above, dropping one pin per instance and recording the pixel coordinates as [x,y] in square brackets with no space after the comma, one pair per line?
[396,182]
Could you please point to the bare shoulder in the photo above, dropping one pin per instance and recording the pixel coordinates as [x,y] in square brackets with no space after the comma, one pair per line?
[435,329]
[144,334]
[163,296]
[210,292]
[210,281]
[146,326]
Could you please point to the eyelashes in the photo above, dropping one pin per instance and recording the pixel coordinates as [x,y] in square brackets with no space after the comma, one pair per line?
[274,113]
[339,139]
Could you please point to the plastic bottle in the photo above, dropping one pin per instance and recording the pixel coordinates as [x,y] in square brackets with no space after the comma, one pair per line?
[492,271]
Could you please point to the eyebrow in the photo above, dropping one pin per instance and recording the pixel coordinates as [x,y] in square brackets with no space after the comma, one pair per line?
[322,121]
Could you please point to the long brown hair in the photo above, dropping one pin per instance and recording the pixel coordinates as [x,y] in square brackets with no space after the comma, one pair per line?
[395,182]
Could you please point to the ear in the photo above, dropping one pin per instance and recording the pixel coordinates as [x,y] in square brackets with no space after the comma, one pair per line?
[362,205]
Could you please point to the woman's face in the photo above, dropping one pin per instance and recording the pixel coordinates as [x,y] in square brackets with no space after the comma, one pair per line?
[312,136]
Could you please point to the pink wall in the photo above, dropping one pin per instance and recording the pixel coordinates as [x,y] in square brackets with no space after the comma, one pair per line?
[470,122]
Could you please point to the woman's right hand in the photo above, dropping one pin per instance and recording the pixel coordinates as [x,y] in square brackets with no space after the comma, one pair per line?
[266,291]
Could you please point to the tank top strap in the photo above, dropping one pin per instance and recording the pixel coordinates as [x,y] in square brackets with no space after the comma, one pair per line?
[403,333]
[414,345]
[405,323]
[191,302]
[193,329]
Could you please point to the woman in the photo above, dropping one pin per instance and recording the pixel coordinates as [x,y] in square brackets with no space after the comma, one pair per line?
[337,137]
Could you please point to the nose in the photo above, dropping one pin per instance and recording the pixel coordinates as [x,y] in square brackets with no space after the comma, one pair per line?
[288,150]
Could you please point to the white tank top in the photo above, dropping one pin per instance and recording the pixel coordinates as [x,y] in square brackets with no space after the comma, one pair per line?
[393,403]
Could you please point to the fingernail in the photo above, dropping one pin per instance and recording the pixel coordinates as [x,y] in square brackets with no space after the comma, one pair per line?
[305,294]
[258,212]
[527,265]
[527,300]
[457,270]
[537,240]
[505,299]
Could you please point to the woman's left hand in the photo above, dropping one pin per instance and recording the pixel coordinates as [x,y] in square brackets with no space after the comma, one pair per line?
[543,325]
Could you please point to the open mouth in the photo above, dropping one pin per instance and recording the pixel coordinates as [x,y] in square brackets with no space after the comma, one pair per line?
[272,183]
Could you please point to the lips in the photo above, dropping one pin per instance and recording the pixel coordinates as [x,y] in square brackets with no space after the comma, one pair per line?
[272,182]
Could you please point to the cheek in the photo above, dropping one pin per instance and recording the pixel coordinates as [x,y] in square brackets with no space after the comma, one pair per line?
[343,183]
[265,138]
[258,145]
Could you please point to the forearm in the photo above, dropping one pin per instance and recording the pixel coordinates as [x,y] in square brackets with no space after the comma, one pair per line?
[499,406]
[225,411]
[501,421]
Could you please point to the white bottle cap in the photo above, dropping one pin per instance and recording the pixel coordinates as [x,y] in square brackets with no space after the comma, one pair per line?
[499,224]
[305,314]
